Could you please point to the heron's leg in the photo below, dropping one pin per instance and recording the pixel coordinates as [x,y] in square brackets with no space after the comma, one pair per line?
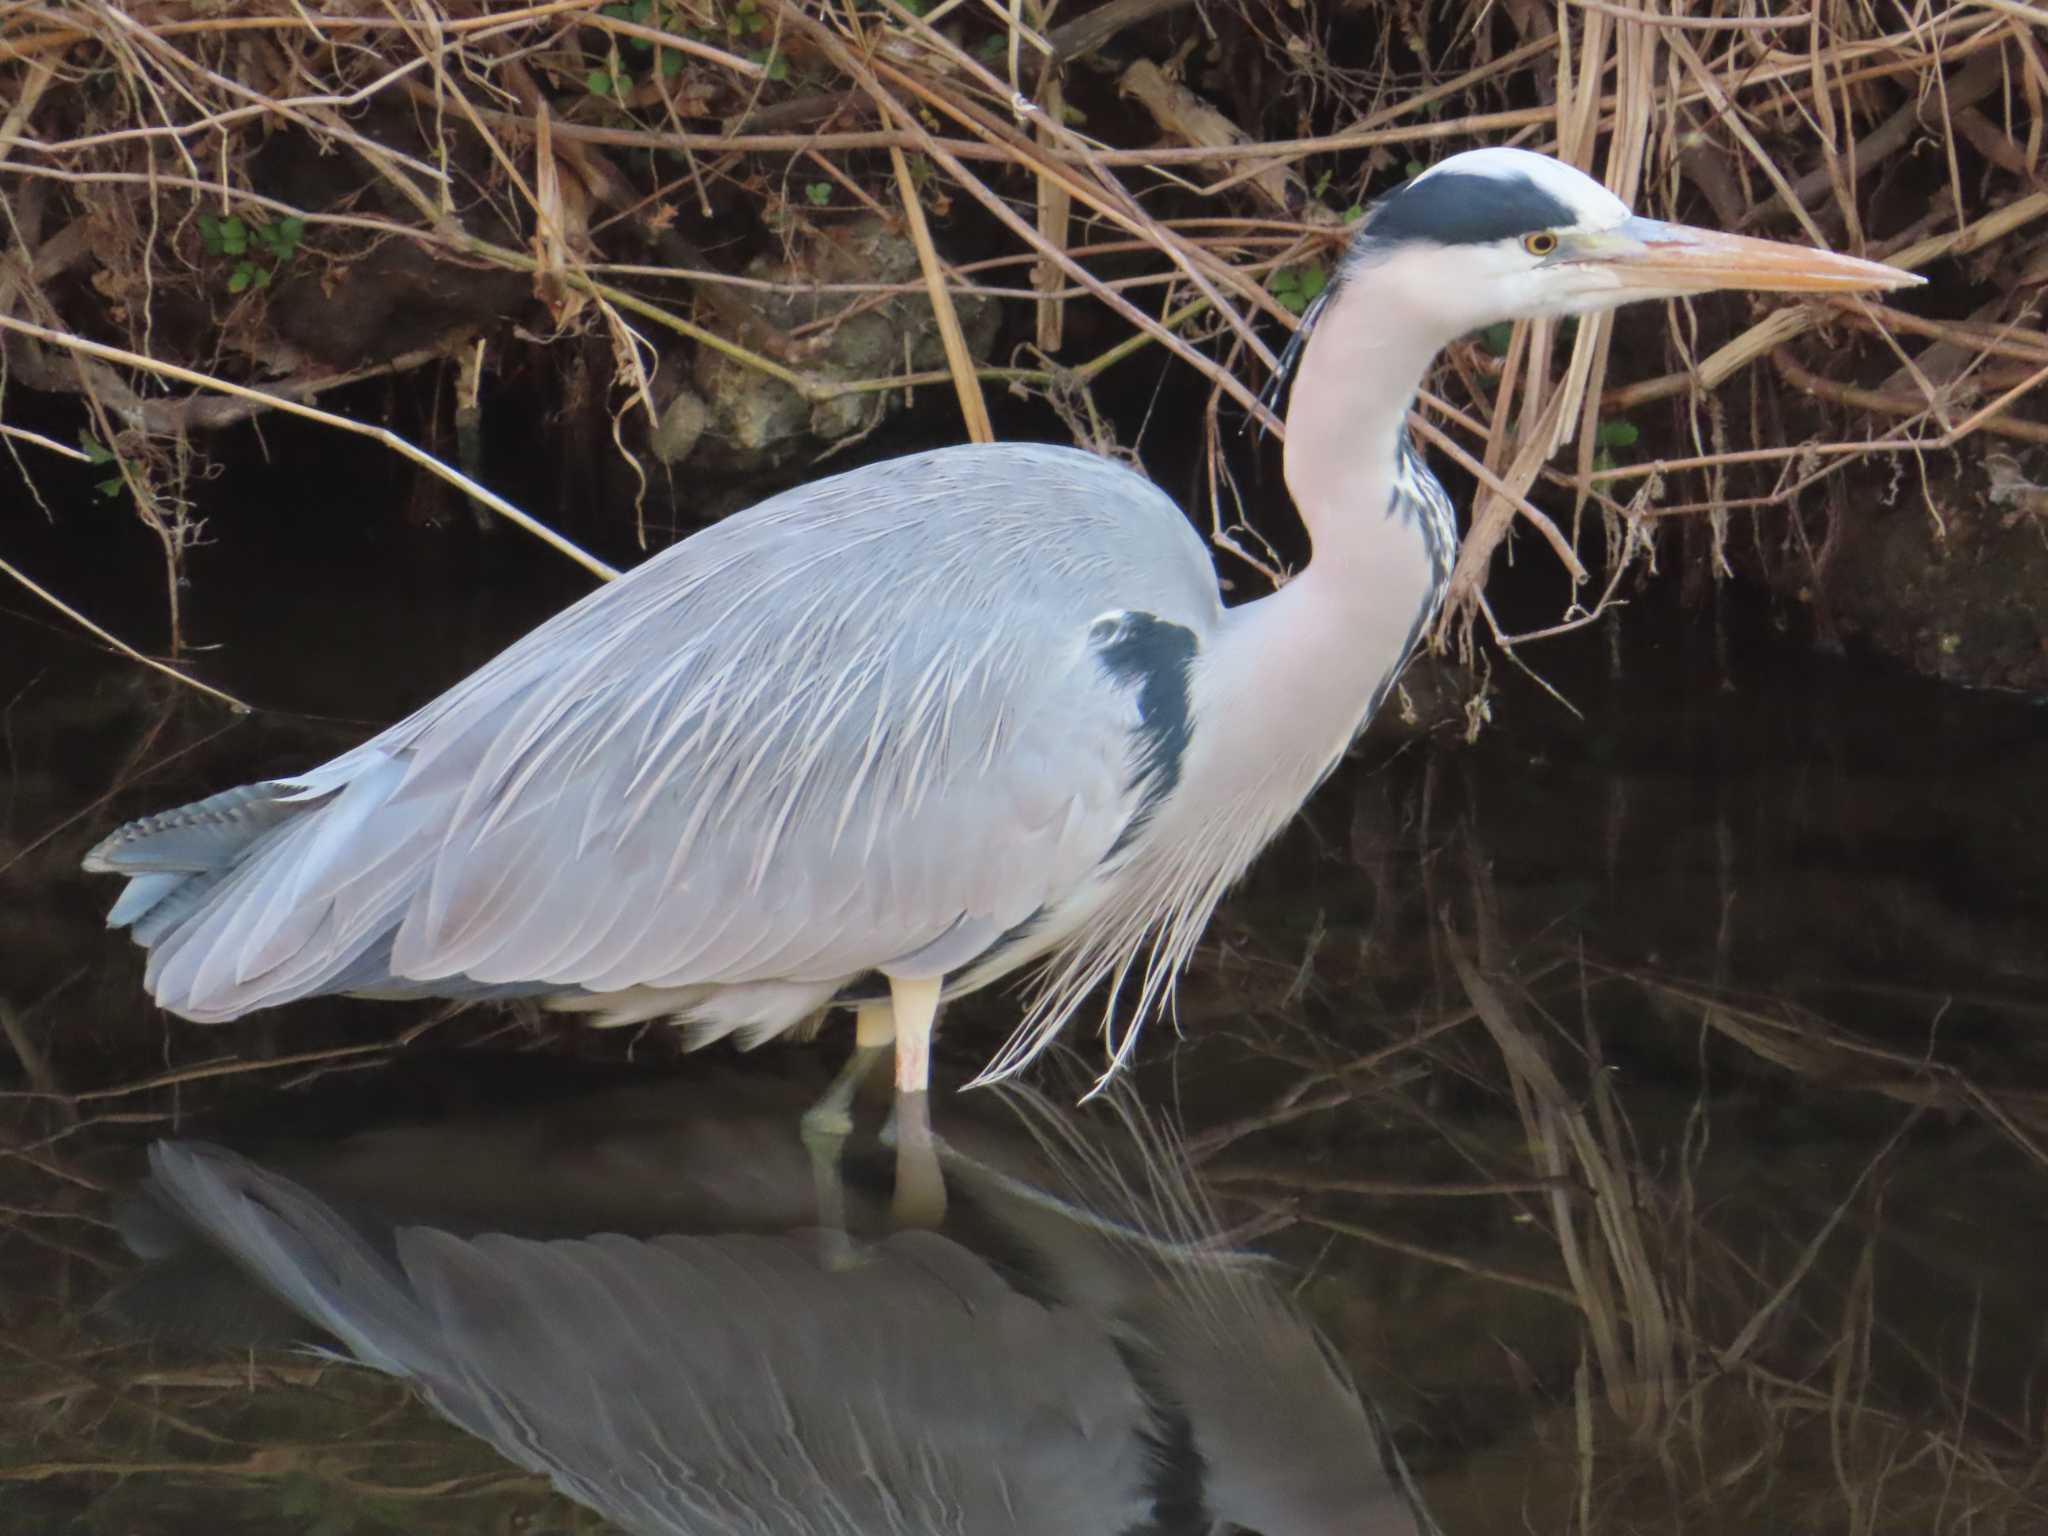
[827,1124]
[920,1198]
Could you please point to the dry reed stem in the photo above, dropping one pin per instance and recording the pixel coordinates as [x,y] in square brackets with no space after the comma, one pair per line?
[1635,91]
[380,435]
[959,362]
[43,594]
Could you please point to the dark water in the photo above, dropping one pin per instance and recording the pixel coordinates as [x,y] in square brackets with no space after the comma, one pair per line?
[1650,1110]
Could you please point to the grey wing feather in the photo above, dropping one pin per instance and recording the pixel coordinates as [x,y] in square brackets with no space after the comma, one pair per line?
[859,726]
[717,1384]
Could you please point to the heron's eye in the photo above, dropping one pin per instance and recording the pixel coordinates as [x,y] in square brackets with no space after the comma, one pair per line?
[1541,243]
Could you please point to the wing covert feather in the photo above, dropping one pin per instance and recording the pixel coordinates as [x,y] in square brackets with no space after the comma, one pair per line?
[856,722]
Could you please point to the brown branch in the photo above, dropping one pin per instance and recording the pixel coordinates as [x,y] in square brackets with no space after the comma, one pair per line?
[1882,403]
[1970,85]
[1084,34]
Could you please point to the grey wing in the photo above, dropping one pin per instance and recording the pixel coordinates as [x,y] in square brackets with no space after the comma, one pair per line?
[877,722]
[717,1384]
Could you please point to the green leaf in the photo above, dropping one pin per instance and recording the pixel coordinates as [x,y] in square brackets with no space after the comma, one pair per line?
[1415,168]
[112,486]
[242,277]
[96,452]
[209,233]
[1296,287]
[1495,337]
[819,193]
[598,82]
[993,47]
[1617,434]
[778,67]
[234,237]
[291,230]
[669,62]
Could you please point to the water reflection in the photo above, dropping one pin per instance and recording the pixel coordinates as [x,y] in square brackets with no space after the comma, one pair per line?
[1651,1109]
[1077,1349]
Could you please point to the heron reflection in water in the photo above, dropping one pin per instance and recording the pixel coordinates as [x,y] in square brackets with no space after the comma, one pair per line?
[890,736]
[1077,1350]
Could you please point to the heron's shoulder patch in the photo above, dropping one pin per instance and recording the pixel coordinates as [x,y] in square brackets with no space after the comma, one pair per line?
[1142,648]
[1153,656]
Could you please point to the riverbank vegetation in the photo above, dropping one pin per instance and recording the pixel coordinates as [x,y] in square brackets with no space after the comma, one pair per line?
[660,226]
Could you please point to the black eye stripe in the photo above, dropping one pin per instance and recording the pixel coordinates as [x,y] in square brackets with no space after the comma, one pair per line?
[1457,208]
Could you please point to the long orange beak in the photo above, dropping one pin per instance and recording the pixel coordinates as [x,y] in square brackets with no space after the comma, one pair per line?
[1654,257]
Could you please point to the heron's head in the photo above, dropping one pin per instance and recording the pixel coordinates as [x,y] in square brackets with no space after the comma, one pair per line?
[1506,234]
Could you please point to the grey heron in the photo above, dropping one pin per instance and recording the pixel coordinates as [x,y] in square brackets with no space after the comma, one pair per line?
[1079,1350]
[890,736]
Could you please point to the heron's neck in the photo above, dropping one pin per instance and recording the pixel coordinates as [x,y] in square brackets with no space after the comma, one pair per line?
[1297,673]
[1358,375]
[1347,619]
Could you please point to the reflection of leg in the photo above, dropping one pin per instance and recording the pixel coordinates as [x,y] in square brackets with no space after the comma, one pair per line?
[873,1030]
[827,1124]
[920,1199]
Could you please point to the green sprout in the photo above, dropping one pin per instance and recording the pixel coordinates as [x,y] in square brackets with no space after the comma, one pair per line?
[261,250]
[1610,435]
[613,80]
[1297,287]
[640,12]
[98,453]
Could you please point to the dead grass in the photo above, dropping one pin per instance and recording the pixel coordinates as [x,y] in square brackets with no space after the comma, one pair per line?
[553,142]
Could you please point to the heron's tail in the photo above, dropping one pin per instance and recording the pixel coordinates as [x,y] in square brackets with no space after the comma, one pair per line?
[269,892]
[298,1248]
[175,859]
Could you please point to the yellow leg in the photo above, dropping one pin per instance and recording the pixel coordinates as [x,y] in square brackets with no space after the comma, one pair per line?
[920,1197]
[913,1005]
